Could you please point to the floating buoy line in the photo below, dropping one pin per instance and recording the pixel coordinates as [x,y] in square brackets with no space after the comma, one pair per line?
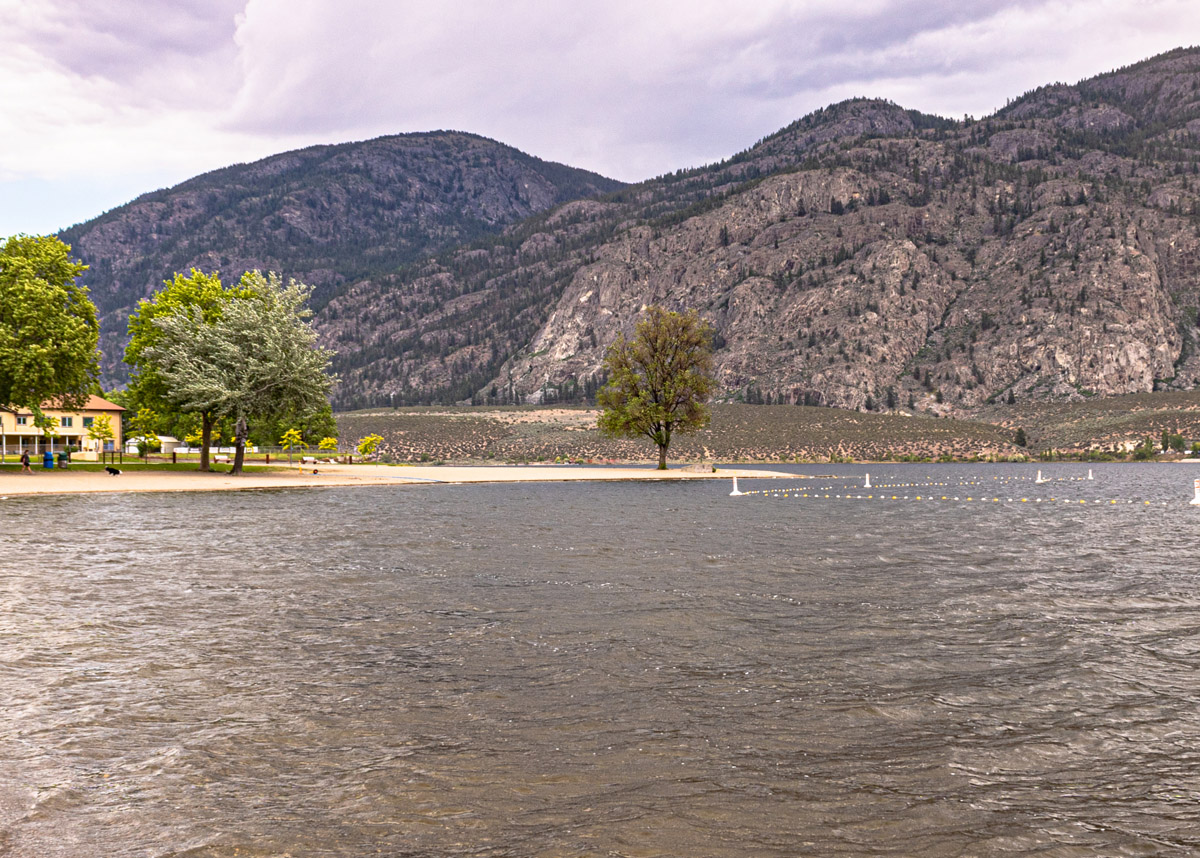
[800,495]
[855,491]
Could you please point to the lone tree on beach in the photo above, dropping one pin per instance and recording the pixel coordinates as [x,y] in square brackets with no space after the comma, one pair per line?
[659,382]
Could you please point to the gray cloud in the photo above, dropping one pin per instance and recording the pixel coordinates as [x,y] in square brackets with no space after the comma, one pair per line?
[626,87]
[180,54]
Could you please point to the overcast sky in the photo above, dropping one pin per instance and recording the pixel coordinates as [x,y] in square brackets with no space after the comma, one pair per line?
[100,102]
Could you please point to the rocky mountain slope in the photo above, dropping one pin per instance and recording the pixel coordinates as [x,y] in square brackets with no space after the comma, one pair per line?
[864,257]
[327,215]
[445,329]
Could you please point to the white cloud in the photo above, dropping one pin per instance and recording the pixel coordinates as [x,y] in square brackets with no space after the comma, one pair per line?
[94,92]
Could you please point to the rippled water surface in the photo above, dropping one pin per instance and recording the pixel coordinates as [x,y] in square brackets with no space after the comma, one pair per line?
[608,669]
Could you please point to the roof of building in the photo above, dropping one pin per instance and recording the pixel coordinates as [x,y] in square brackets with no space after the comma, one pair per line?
[94,403]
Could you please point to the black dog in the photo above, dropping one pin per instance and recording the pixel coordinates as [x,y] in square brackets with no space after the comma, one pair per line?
[112,470]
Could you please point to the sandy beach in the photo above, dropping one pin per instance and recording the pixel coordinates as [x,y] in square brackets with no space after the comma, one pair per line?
[12,482]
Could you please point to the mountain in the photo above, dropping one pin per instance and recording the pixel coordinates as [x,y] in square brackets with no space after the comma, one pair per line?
[865,256]
[444,329]
[326,215]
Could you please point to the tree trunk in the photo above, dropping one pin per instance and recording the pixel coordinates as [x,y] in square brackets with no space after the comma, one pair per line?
[206,429]
[663,439]
[239,454]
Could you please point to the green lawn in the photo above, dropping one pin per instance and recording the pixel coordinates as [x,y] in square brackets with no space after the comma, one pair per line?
[133,465]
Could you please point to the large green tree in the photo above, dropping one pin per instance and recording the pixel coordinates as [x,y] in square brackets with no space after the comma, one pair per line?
[258,360]
[659,382]
[48,328]
[203,298]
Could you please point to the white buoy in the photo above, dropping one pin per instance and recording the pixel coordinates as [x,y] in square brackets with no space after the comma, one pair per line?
[735,491]
[867,482]
[1196,499]
[1089,473]
[1039,478]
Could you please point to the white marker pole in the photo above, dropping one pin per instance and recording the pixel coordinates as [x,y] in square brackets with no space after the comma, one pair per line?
[1196,499]
[735,491]
[1089,473]
[1039,478]
[867,482]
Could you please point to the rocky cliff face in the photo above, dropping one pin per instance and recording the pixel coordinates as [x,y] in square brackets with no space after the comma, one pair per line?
[865,257]
[891,304]
[327,215]
[446,329]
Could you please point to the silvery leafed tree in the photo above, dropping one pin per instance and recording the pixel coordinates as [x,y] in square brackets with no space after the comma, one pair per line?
[659,382]
[258,360]
[203,298]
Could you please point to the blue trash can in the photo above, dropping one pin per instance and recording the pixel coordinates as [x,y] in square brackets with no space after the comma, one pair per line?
[47,459]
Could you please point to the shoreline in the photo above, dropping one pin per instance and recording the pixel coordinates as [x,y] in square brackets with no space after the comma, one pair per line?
[56,482]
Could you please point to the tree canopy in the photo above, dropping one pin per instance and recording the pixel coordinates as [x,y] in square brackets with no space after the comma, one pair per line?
[48,327]
[660,381]
[203,298]
[257,360]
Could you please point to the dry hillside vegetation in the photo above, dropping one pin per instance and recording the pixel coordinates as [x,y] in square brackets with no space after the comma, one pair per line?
[747,433]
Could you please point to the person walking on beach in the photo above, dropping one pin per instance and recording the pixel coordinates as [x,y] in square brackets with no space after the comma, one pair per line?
[25,462]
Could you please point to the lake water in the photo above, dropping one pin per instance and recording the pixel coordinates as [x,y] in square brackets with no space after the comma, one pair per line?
[638,669]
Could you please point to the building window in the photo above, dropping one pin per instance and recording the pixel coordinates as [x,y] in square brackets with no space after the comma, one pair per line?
[87,422]
[67,422]
[21,421]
